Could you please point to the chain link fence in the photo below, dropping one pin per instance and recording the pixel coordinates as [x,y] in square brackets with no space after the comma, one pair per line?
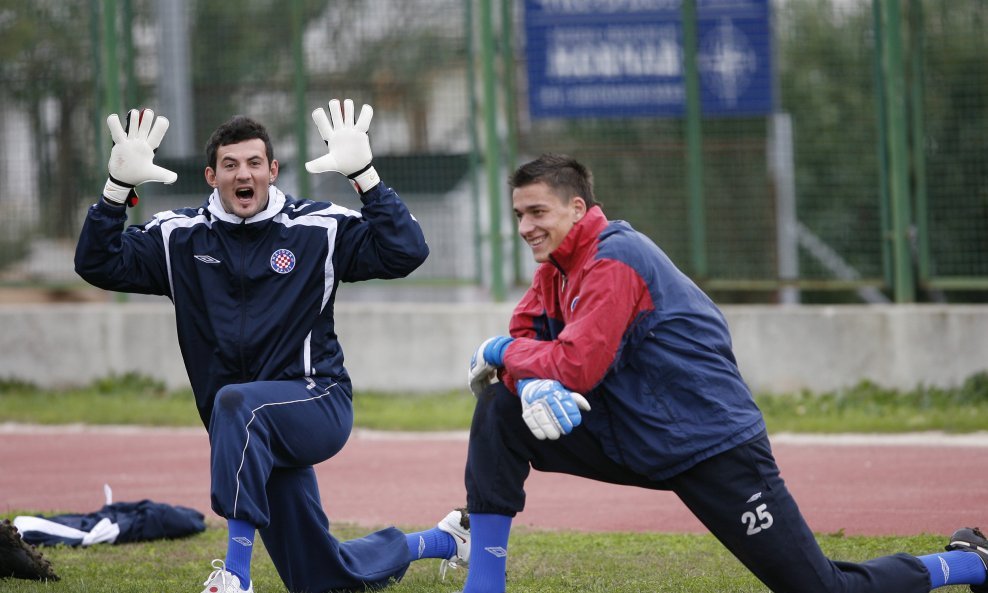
[805,203]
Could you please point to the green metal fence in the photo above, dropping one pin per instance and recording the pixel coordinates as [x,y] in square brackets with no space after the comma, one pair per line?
[868,183]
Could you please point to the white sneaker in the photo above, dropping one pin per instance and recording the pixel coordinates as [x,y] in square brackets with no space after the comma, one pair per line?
[457,524]
[222,580]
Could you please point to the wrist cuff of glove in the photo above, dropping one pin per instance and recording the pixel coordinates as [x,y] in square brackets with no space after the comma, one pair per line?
[494,351]
[521,384]
[365,179]
[119,193]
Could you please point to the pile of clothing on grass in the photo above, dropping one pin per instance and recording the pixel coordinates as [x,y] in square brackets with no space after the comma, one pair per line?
[115,523]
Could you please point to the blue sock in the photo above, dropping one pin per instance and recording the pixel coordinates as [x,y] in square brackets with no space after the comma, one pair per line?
[956,567]
[433,543]
[488,553]
[238,550]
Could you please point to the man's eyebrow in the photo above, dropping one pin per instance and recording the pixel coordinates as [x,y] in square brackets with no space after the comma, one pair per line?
[230,157]
[534,206]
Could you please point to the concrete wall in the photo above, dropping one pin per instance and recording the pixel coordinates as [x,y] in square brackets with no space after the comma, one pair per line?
[425,347]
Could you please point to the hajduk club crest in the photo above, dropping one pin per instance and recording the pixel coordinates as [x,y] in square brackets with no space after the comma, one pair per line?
[282,261]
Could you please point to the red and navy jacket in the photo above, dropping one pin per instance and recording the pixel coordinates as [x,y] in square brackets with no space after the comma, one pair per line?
[611,317]
[253,298]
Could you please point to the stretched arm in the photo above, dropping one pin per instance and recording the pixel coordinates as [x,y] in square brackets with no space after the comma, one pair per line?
[107,256]
[611,298]
[111,258]
[386,241]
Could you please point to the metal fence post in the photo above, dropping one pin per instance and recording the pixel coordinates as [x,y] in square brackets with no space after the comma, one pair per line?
[694,145]
[492,158]
[881,145]
[918,129]
[472,102]
[511,117]
[300,81]
[111,75]
[904,288]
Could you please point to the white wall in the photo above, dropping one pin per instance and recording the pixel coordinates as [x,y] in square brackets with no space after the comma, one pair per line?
[426,347]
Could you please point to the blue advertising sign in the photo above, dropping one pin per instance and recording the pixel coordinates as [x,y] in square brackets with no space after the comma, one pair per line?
[624,58]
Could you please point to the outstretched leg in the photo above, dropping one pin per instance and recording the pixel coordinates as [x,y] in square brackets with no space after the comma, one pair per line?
[308,557]
[265,438]
[741,498]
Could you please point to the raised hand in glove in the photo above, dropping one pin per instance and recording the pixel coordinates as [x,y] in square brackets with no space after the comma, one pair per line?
[485,362]
[132,157]
[549,409]
[348,144]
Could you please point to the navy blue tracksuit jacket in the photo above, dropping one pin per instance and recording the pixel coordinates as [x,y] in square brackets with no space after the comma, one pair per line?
[253,298]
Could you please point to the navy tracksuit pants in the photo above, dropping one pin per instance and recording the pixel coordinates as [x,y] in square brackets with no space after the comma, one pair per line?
[738,495]
[264,438]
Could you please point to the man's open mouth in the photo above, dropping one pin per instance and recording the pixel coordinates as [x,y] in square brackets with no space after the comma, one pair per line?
[245,193]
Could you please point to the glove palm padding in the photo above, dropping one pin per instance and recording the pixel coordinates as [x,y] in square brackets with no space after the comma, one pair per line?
[132,157]
[549,409]
[348,144]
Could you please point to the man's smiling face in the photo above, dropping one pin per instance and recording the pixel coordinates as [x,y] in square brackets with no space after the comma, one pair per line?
[242,177]
[544,217]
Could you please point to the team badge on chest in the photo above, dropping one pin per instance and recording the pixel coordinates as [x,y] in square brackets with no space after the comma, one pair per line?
[282,261]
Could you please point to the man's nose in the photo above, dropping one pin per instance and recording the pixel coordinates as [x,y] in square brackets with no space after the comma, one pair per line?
[524,225]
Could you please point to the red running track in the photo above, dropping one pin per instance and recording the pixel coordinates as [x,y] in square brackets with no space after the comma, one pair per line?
[904,485]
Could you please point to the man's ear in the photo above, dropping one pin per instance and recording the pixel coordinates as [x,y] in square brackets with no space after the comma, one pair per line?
[274,171]
[579,207]
[210,176]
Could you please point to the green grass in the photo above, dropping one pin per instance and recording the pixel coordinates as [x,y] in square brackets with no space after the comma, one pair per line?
[540,561]
[869,408]
[451,410]
[127,399]
[865,407]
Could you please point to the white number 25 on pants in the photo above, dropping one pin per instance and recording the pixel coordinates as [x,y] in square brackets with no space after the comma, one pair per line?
[759,520]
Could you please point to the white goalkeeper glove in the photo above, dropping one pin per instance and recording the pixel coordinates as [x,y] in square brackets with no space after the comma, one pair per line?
[549,409]
[348,144]
[132,157]
[485,362]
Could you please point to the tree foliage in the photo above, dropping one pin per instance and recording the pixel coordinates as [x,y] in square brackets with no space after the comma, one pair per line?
[46,66]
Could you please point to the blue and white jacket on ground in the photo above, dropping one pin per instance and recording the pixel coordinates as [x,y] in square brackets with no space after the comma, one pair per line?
[115,523]
[253,297]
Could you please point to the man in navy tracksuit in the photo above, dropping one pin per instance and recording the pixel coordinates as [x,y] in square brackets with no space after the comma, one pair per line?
[253,275]
[611,335]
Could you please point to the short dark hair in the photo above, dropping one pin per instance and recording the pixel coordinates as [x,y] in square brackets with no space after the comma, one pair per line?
[564,174]
[237,129]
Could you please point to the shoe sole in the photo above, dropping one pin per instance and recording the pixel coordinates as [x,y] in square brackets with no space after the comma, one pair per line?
[21,560]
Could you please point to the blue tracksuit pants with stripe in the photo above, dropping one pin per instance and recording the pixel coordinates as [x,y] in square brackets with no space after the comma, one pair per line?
[265,438]
[738,495]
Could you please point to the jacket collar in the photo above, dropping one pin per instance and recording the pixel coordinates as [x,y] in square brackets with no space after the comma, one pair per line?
[584,233]
[276,201]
